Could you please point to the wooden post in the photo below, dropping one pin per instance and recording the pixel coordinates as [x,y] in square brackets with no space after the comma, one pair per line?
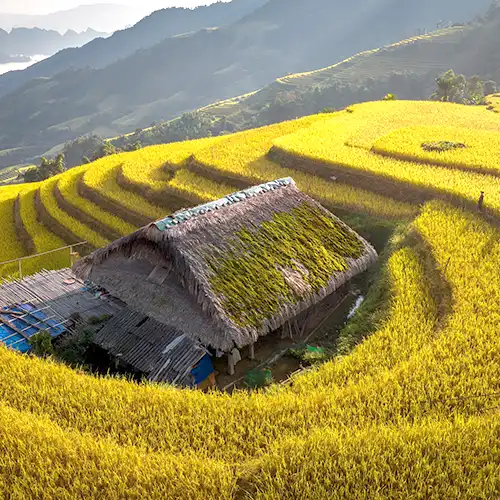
[283,332]
[20,269]
[251,351]
[230,365]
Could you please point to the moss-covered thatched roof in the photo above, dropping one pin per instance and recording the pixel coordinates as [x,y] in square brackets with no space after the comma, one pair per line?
[251,261]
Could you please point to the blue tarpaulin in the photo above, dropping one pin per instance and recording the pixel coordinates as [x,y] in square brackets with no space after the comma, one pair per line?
[202,370]
[27,319]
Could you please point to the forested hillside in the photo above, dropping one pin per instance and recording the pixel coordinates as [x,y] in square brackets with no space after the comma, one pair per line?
[189,71]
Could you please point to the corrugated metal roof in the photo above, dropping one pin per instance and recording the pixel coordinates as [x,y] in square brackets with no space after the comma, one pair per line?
[60,291]
[161,351]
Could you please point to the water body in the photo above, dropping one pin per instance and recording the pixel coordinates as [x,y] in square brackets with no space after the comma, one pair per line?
[16,66]
[356,306]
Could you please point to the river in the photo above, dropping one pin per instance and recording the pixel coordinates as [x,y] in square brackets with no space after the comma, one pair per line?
[4,68]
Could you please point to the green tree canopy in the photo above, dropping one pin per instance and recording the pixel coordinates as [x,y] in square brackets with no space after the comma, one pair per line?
[47,169]
[451,87]
[41,344]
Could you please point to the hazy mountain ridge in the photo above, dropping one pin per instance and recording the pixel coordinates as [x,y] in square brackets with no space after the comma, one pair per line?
[146,33]
[31,41]
[186,72]
[100,17]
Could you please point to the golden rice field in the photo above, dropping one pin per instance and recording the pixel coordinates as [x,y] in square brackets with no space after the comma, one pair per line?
[243,156]
[80,230]
[11,247]
[493,103]
[68,185]
[42,238]
[345,143]
[431,394]
[475,149]
[411,412]
[102,177]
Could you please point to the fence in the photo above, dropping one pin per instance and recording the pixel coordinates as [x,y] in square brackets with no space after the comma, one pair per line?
[20,260]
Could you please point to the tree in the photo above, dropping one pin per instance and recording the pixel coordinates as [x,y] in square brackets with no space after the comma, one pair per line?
[108,149]
[76,151]
[450,87]
[135,146]
[459,89]
[475,91]
[47,169]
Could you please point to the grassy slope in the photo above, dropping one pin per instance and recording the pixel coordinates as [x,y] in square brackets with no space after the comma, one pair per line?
[420,54]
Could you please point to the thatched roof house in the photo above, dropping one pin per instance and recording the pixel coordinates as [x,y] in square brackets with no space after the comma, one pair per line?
[230,271]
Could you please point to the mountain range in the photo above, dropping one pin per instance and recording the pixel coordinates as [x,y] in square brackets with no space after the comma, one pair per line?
[242,52]
[32,41]
[148,32]
[100,17]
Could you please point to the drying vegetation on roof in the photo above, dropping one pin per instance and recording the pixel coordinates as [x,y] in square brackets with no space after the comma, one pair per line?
[280,261]
[253,260]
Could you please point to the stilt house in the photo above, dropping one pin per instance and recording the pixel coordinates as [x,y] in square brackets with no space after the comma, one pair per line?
[226,273]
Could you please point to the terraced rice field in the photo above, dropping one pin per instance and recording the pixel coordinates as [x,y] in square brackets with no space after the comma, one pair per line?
[38,238]
[368,159]
[423,51]
[411,412]
[344,147]
[11,246]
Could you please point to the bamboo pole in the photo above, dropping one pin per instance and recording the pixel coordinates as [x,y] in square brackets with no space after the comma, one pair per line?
[19,259]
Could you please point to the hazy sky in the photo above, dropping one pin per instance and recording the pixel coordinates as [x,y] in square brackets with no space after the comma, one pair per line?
[46,6]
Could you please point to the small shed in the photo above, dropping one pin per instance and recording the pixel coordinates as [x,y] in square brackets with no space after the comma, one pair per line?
[230,271]
[160,352]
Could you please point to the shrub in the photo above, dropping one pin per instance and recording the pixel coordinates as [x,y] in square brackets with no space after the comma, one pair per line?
[441,146]
[41,344]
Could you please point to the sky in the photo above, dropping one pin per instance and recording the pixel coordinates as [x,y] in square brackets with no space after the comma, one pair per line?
[47,6]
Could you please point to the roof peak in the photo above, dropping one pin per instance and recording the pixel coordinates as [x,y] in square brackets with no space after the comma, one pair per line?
[231,199]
